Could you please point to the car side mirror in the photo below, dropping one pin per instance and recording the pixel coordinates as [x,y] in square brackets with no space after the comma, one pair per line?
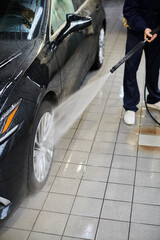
[74,23]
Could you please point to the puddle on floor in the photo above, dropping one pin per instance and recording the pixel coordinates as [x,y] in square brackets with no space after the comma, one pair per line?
[149,139]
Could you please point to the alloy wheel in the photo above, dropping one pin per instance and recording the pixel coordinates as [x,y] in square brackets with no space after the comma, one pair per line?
[101,45]
[42,156]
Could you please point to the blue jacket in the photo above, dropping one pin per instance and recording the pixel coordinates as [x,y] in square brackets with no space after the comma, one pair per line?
[139,14]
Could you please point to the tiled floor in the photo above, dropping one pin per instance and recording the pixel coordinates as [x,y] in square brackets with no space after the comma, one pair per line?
[103,185]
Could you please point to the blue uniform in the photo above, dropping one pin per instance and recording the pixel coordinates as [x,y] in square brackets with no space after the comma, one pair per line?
[141,14]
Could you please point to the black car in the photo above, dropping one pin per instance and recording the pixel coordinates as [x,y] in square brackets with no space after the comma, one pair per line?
[46,49]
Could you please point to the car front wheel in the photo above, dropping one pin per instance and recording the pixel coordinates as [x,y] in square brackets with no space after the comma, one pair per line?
[40,157]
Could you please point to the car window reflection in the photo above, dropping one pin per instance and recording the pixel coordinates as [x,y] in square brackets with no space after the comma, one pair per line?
[17,17]
[59,10]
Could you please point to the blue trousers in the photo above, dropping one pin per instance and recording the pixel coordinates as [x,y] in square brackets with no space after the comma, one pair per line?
[152,56]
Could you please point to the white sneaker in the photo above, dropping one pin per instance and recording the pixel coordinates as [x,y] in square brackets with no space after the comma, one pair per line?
[129,117]
[154,106]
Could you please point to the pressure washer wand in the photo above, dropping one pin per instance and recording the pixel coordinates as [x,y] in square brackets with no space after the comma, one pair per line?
[133,51]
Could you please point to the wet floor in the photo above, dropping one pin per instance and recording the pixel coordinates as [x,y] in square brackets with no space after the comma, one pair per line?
[105,181]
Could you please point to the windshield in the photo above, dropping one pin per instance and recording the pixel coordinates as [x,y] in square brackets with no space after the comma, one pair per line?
[19,18]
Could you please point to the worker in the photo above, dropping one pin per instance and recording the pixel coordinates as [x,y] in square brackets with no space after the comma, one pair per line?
[141,17]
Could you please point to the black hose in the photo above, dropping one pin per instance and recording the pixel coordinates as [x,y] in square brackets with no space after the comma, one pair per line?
[145,101]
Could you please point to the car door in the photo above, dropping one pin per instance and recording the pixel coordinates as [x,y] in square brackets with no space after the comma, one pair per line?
[92,8]
[71,52]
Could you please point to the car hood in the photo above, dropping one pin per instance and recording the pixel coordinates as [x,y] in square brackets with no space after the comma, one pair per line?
[12,57]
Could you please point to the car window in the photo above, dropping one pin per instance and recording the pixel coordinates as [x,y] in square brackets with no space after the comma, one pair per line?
[59,10]
[19,17]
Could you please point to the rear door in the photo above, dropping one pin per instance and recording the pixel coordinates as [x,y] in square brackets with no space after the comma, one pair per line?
[91,8]
[71,53]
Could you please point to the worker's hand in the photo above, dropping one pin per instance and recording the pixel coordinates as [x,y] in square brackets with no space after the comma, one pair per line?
[147,33]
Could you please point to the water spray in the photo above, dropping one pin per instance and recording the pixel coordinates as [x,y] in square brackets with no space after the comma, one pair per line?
[70,110]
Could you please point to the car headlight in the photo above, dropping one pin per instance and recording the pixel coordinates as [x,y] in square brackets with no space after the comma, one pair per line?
[6,120]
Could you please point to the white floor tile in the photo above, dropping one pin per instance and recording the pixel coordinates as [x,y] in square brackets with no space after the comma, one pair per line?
[13,234]
[22,219]
[144,232]
[112,230]
[119,192]
[47,223]
[99,160]
[76,157]
[81,227]
[89,207]
[91,189]
[99,174]
[43,236]
[116,210]
[65,185]
[59,203]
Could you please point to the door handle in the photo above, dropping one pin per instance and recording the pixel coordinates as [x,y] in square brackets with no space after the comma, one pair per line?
[83,31]
[97,7]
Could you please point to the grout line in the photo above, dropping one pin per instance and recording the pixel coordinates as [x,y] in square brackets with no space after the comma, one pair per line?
[134,184]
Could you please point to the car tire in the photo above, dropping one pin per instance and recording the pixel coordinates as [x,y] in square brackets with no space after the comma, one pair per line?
[100,50]
[40,158]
